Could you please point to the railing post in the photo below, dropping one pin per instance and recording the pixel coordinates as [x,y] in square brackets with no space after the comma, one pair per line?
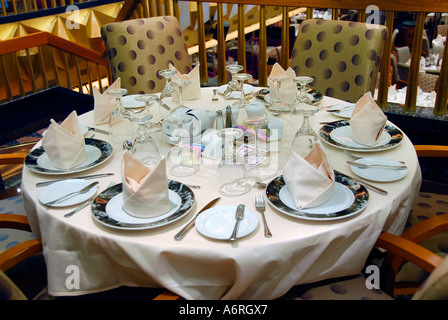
[285,39]
[222,76]
[241,37]
[442,89]
[262,47]
[385,63]
[201,44]
[414,69]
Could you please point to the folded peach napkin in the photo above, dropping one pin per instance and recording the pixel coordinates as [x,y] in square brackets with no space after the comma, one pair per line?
[191,91]
[288,89]
[367,121]
[145,191]
[310,180]
[64,143]
[104,104]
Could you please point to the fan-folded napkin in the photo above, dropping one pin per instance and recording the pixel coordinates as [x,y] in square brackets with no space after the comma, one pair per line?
[104,104]
[191,91]
[310,180]
[368,121]
[145,191]
[288,89]
[64,143]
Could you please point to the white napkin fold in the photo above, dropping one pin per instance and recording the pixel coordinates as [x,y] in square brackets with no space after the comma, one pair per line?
[104,104]
[64,143]
[288,89]
[191,91]
[368,121]
[145,191]
[310,180]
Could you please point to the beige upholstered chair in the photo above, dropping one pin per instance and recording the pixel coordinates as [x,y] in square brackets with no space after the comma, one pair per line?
[138,49]
[343,57]
[442,30]
[428,82]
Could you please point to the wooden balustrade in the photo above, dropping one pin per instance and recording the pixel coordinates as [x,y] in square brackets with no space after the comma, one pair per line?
[144,8]
[40,60]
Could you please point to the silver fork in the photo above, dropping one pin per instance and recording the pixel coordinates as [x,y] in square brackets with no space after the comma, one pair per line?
[260,206]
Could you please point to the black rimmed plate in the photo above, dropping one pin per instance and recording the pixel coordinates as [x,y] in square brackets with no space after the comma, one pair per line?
[263,96]
[97,151]
[360,193]
[396,137]
[104,215]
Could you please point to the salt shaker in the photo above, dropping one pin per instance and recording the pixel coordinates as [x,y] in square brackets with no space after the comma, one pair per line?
[219,120]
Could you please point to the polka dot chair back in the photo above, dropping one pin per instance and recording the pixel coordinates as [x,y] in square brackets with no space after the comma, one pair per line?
[343,57]
[138,49]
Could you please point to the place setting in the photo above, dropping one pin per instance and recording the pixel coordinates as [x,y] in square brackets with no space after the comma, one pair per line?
[367,130]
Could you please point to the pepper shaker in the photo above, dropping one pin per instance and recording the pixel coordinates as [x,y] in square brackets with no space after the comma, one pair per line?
[229,117]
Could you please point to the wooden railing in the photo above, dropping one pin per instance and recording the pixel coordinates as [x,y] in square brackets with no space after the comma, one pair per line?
[41,60]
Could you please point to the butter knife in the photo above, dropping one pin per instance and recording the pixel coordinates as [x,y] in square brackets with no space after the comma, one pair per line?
[93,176]
[181,234]
[375,165]
[98,130]
[238,216]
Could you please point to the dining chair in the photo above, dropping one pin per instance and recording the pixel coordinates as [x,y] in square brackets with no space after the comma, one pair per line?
[403,57]
[428,82]
[442,30]
[343,57]
[137,49]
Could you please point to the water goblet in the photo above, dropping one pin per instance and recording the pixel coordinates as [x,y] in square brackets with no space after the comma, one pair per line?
[120,125]
[179,85]
[231,172]
[279,106]
[234,85]
[147,99]
[302,96]
[168,90]
[241,77]
[145,149]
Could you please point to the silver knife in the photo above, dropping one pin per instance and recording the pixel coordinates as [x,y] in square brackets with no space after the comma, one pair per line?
[238,216]
[93,176]
[375,165]
[181,234]
[98,130]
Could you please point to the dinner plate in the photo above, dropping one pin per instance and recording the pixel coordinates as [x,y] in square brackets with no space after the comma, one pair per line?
[395,134]
[346,110]
[263,95]
[237,94]
[129,101]
[360,194]
[344,136]
[379,174]
[97,151]
[106,208]
[340,199]
[218,223]
[61,188]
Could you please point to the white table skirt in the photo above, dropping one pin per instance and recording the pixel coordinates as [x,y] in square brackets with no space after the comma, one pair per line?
[197,267]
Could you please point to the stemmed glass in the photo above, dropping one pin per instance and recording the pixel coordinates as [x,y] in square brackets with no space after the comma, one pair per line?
[145,149]
[120,125]
[145,120]
[241,77]
[180,84]
[278,105]
[234,85]
[305,137]
[231,172]
[182,160]
[168,90]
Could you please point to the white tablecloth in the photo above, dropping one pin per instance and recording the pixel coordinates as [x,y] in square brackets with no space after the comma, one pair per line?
[197,267]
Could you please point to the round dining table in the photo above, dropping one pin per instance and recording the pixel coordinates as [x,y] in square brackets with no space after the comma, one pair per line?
[85,256]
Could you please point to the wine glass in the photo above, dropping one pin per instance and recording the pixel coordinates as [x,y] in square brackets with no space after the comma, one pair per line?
[146,119]
[168,90]
[241,77]
[179,84]
[231,172]
[278,105]
[234,85]
[120,125]
[145,149]
[302,96]
[183,159]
